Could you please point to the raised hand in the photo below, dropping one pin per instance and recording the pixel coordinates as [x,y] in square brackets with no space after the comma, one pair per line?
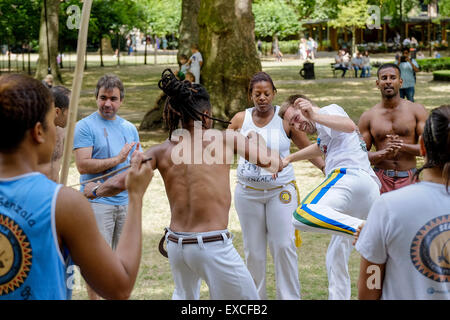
[305,107]
[123,154]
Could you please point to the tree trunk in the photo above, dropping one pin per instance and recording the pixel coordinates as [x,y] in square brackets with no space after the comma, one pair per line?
[153,119]
[353,40]
[118,49]
[29,60]
[52,23]
[156,50]
[145,50]
[101,51]
[23,58]
[188,26]
[9,57]
[227,43]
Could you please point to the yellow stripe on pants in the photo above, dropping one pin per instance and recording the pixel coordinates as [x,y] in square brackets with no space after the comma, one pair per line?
[298,238]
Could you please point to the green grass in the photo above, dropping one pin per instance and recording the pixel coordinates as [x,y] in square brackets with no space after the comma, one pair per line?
[354,95]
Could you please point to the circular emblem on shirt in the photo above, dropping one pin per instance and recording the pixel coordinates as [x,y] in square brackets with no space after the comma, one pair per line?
[285,196]
[15,255]
[430,249]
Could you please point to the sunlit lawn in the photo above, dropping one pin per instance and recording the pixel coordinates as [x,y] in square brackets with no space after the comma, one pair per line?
[355,95]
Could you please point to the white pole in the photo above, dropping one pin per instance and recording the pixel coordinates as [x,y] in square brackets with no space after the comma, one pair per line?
[76,90]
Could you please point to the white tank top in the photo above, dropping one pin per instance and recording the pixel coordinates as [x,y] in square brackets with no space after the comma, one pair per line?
[276,139]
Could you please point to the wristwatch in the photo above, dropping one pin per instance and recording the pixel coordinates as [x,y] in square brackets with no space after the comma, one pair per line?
[95,189]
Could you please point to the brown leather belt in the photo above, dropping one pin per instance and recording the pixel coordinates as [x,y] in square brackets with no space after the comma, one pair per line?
[174,238]
[218,237]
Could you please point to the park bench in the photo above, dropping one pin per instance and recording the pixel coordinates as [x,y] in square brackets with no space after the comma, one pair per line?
[333,69]
[348,74]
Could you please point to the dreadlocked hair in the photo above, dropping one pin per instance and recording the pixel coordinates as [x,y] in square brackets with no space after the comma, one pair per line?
[436,138]
[185,102]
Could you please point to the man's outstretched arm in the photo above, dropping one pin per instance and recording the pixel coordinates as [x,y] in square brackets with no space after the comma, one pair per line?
[115,184]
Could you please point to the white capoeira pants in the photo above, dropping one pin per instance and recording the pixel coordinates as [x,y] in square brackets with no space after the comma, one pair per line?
[338,206]
[265,217]
[218,263]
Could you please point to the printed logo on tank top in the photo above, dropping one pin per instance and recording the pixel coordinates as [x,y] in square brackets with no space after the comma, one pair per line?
[15,257]
[430,249]
[252,173]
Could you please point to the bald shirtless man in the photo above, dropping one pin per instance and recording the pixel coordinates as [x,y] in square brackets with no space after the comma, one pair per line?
[195,166]
[393,126]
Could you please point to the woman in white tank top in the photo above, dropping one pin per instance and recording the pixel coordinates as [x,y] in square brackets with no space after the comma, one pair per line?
[264,204]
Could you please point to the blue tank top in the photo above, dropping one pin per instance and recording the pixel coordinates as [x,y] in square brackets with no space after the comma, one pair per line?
[31,264]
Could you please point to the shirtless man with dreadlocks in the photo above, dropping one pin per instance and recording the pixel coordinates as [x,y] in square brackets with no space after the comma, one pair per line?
[198,190]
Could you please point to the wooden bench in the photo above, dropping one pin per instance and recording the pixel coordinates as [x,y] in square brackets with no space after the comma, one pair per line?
[347,74]
[333,69]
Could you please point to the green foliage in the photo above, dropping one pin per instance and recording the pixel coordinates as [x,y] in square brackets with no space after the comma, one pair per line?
[444,8]
[353,13]
[160,17]
[434,64]
[441,75]
[108,17]
[286,47]
[19,21]
[304,8]
[275,18]
[325,9]
[397,9]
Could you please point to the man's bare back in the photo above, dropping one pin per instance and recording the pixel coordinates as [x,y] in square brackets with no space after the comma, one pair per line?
[394,132]
[199,194]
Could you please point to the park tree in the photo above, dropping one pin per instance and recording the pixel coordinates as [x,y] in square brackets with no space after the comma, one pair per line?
[398,10]
[276,19]
[353,14]
[188,29]
[48,41]
[227,43]
[444,8]
[159,18]
[110,17]
[19,22]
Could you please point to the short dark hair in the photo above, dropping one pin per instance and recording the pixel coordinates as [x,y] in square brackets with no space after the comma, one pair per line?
[258,77]
[110,81]
[290,102]
[388,65]
[436,138]
[61,97]
[24,101]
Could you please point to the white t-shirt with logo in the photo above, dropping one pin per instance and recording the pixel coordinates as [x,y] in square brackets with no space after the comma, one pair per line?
[409,230]
[342,149]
